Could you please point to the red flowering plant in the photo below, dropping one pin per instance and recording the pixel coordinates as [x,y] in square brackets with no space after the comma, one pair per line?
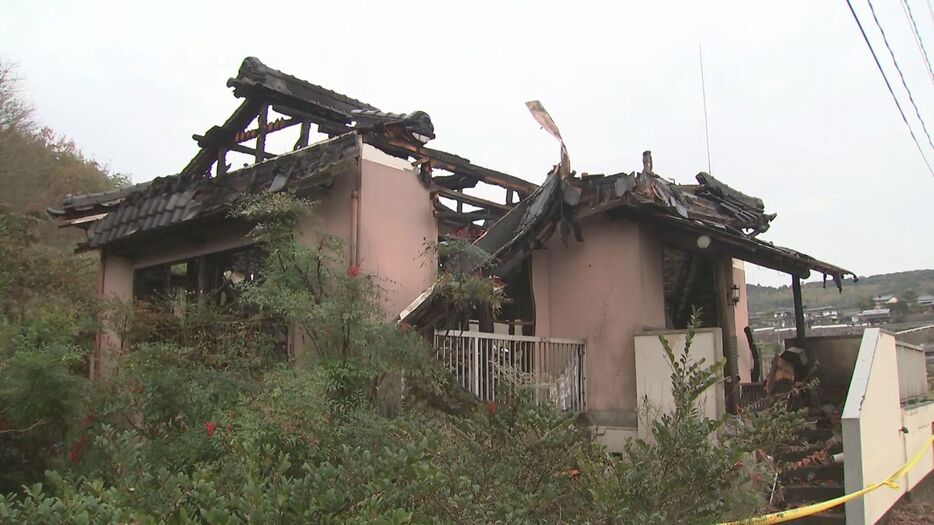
[75,454]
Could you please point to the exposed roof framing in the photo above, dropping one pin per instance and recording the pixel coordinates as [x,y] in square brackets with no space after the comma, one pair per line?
[303,103]
[465,173]
[201,163]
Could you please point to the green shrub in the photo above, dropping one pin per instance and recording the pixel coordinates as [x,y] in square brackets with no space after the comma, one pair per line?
[204,419]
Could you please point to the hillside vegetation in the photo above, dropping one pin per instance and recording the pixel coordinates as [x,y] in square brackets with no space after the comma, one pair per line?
[855,295]
[38,166]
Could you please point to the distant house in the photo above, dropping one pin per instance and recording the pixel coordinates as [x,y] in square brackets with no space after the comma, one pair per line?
[777,319]
[875,316]
[850,316]
[821,314]
[926,300]
[884,300]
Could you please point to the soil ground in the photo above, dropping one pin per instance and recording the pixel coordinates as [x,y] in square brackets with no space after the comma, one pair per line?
[916,507]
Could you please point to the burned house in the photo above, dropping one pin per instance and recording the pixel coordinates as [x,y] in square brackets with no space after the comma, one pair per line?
[377,185]
[594,265]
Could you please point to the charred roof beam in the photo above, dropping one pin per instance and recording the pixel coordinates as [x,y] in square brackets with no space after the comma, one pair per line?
[206,142]
[470,199]
[454,164]
[256,80]
[469,216]
[238,121]
[455,182]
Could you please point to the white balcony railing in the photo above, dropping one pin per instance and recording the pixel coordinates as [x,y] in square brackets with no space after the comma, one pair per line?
[486,364]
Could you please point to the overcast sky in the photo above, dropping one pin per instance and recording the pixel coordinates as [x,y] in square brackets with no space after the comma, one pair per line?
[798,114]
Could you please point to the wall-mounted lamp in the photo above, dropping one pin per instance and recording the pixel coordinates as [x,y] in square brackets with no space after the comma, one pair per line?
[734,295]
[703,242]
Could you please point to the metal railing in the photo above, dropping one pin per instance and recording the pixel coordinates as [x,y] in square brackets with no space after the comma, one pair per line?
[912,372]
[750,394]
[487,364]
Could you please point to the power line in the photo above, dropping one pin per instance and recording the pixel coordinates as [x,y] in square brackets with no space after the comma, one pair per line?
[906,8]
[900,74]
[889,86]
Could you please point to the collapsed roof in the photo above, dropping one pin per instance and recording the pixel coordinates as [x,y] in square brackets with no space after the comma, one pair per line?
[513,229]
[730,219]
[195,193]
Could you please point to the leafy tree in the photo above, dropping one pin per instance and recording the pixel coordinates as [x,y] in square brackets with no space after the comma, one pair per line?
[40,166]
[16,114]
[46,324]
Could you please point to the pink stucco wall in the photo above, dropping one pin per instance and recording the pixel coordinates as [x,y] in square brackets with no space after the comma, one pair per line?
[116,284]
[396,222]
[116,275]
[332,212]
[606,290]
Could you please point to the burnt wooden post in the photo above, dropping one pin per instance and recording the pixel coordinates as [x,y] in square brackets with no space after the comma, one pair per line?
[261,121]
[756,373]
[723,282]
[799,310]
[221,168]
[303,135]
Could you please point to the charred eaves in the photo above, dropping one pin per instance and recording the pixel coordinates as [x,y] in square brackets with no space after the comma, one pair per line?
[674,212]
[167,202]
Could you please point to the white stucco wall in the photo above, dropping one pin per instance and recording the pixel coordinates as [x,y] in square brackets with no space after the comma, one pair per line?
[874,442]
[653,378]
[917,420]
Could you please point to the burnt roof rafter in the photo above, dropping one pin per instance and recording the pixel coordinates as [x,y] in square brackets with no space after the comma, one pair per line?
[462,168]
[470,199]
[238,121]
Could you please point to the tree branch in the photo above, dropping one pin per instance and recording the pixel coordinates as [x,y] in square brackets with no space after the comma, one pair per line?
[22,430]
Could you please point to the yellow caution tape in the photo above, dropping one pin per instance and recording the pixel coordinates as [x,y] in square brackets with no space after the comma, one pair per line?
[800,512]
